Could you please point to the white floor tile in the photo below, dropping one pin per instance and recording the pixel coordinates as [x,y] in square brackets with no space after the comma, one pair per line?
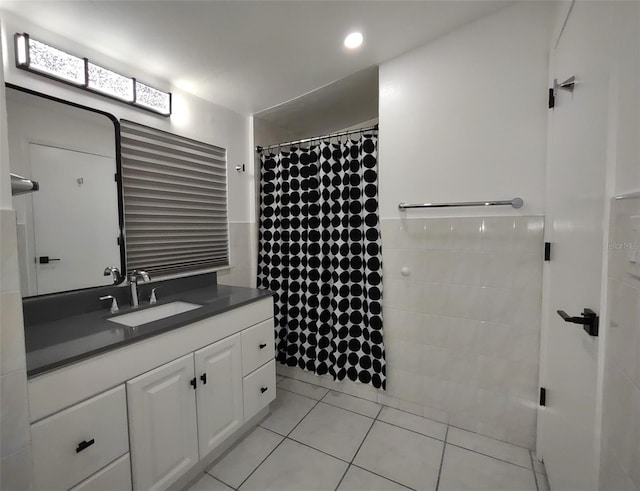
[287,411]
[333,430]
[358,479]
[304,389]
[242,460]
[401,455]
[412,422]
[294,467]
[489,446]
[466,470]
[208,483]
[355,404]
[279,378]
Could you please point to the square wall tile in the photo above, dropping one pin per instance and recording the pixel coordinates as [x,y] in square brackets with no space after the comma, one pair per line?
[12,348]
[9,271]
[16,471]
[14,418]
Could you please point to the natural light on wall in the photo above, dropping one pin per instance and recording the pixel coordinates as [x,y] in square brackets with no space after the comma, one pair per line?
[44,59]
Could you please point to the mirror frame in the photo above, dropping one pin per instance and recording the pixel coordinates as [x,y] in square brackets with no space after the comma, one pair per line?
[118,178]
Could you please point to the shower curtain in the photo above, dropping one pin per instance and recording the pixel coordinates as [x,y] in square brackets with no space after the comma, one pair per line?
[319,251]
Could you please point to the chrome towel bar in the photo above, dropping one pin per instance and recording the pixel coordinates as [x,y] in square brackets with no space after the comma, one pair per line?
[515,202]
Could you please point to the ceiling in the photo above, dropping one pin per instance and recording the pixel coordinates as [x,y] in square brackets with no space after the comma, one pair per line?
[350,100]
[250,55]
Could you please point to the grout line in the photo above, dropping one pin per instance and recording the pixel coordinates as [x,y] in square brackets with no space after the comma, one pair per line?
[278,445]
[261,462]
[298,394]
[302,419]
[444,448]
[489,437]
[412,431]
[342,478]
[213,477]
[490,456]
[382,406]
[317,450]
[533,468]
[349,410]
[383,477]
[333,390]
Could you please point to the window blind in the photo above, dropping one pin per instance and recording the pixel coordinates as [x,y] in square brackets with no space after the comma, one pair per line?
[175,201]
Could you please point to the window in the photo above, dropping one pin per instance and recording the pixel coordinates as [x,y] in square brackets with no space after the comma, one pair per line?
[175,201]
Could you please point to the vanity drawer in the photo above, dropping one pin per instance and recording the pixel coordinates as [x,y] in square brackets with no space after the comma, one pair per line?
[115,477]
[259,389]
[77,442]
[258,346]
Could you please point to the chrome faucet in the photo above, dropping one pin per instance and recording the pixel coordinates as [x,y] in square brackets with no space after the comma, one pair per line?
[114,303]
[115,274]
[133,277]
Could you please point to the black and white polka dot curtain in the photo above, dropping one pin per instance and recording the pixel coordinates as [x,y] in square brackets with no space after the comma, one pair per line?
[319,250]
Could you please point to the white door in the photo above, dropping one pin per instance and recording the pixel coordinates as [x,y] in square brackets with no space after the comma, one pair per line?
[576,177]
[219,395]
[75,217]
[162,424]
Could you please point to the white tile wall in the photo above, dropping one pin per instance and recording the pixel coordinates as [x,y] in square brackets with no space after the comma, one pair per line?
[15,449]
[620,456]
[243,254]
[462,330]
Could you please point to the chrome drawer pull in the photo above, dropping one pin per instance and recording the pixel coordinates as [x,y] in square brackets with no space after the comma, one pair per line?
[264,389]
[262,346]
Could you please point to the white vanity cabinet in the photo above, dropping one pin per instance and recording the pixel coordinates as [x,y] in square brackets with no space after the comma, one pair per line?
[219,394]
[162,424]
[155,409]
[183,410]
[75,443]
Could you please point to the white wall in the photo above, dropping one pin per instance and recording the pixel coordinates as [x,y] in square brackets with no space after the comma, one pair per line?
[620,452]
[464,117]
[192,117]
[15,441]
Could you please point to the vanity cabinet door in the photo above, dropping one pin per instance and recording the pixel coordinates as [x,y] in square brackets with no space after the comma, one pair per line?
[162,424]
[219,394]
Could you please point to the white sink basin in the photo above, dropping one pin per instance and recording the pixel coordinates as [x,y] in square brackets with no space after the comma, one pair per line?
[154,313]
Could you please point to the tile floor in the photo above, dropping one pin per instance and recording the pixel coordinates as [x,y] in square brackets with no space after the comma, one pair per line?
[316,439]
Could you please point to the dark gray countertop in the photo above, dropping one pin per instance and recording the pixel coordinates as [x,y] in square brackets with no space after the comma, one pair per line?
[67,340]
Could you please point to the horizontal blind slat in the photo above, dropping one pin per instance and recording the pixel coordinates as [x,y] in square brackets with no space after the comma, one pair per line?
[175,201]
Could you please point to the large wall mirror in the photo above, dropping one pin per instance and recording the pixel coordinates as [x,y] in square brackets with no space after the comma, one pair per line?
[69,230]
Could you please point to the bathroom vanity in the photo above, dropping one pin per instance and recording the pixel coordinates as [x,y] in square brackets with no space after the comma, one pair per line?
[147,406]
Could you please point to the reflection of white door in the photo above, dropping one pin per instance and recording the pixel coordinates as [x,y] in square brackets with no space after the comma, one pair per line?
[75,218]
[576,177]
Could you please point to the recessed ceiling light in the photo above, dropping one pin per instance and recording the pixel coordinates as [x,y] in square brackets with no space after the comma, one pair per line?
[353,40]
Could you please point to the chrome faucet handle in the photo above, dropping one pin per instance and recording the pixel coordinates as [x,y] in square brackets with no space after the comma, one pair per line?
[114,303]
[114,272]
[153,299]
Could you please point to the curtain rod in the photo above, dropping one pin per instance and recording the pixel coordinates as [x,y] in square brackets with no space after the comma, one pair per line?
[323,137]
